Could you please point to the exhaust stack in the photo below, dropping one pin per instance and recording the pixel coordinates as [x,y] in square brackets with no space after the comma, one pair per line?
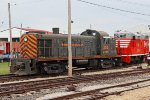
[55,30]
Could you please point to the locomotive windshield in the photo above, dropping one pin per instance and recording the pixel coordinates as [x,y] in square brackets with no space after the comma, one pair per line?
[120,35]
[124,35]
[106,40]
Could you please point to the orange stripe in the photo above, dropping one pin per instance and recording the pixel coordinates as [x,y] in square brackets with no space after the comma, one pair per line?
[30,39]
[32,36]
[32,49]
[24,53]
[29,55]
[22,43]
[24,50]
[32,45]
[31,52]
[22,38]
[22,46]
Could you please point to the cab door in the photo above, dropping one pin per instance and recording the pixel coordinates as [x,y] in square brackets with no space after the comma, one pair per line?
[105,46]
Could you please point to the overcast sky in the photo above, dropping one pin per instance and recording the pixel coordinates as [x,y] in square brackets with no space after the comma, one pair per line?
[46,14]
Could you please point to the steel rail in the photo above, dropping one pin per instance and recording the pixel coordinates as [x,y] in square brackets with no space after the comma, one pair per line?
[96,94]
[21,87]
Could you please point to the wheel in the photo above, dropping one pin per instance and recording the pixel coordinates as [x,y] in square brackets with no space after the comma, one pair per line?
[106,64]
[119,64]
[54,68]
[41,69]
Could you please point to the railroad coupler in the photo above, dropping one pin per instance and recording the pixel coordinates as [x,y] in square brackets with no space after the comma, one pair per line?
[21,66]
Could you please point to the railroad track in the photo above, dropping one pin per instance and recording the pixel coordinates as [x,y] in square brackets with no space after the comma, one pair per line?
[12,77]
[100,93]
[22,87]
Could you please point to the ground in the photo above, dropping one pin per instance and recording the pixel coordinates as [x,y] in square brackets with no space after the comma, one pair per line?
[138,94]
[4,68]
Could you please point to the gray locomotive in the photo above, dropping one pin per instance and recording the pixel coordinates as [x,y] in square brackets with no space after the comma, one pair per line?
[48,53]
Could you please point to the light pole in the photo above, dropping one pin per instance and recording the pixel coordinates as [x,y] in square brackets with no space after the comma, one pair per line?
[90,26]
[69,40]
[9,13]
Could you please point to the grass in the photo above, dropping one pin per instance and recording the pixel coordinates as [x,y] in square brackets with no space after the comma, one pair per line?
[4,68]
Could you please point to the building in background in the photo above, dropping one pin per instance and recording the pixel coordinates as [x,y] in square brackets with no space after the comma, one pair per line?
[5,45]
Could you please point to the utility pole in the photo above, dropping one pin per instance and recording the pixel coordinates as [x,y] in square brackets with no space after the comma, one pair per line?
[9,13]
[69,40]
[20,30]
[90,26]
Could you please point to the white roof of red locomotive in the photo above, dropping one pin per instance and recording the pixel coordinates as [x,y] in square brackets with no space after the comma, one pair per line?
[126,32]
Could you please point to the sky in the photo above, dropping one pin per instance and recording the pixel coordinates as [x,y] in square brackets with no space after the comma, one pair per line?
[46,14]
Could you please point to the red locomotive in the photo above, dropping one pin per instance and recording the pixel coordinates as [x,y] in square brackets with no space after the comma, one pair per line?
[133,47]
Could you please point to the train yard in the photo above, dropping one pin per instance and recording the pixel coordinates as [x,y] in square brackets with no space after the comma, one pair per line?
[110,60]
[55,85]
[98,62]
[102,66]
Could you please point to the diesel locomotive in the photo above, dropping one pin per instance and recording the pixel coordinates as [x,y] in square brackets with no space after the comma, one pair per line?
[133,47]
[48,53]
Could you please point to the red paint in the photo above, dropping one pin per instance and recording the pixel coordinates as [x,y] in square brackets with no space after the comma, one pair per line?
[127,47]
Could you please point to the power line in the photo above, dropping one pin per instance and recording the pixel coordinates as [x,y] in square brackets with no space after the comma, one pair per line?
[135,3]
[7,29]
[131,17]
[125,15]
[99,5]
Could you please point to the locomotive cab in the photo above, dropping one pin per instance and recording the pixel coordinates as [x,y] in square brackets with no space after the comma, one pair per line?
[105,48]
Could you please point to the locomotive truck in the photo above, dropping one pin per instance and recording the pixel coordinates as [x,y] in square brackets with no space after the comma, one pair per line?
[48,53]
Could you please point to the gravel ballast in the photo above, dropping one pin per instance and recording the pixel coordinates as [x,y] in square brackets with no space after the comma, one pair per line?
[41,94]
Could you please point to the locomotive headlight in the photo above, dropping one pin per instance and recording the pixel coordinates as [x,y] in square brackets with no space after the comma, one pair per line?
[25,39]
